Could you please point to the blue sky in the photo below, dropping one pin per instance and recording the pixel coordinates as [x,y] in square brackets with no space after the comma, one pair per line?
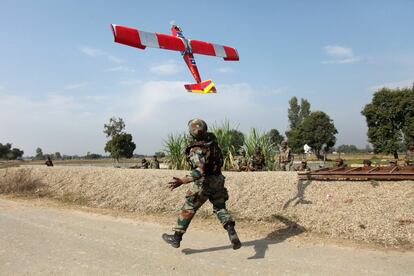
[62,76]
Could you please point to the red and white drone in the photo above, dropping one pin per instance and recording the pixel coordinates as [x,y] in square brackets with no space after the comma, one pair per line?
[177,42]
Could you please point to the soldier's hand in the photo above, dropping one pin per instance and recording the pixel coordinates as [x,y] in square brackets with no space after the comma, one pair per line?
[177,182]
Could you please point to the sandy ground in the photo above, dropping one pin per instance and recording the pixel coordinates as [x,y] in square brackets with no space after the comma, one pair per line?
[38,239]
[372,212]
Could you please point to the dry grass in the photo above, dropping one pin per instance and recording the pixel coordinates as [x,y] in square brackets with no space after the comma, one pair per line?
[20,181]
[382,213]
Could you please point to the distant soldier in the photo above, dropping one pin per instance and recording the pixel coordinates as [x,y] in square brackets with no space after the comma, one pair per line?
[155,164]
[339,163]
[243,163]
[409,156]
[205,159]
[367,163]
[258,161]
[285,157]
[49,162]
[303,167]
[144,164]
[393,163]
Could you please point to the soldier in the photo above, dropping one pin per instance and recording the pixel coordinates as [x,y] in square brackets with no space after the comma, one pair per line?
[155,164]
[243,162]
[367,163]
[258,161]
[49,162]
[303,167]
[339,163]
[206,159]
[393,163]
[285,157]
[144,164]
[409,156]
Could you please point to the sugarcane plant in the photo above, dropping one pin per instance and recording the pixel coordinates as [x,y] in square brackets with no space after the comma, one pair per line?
[174,146]
[262,140]
[226,139]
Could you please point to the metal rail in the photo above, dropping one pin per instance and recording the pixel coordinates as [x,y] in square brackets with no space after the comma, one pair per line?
[360,173]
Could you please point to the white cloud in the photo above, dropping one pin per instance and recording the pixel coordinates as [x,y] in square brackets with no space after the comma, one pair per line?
[1,87]
[120,68]
[168,68]
[114,59]
[75,86]
[94,52]
[338,51]
[340,55]
[397,84]
[225,70]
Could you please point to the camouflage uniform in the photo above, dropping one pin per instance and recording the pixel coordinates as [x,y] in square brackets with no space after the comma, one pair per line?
[144,164]
[409,156]
[258,161]
[208,184]
[155,164]
[339,163]
[243,163]
[206,159]
[285,158]
[303,167]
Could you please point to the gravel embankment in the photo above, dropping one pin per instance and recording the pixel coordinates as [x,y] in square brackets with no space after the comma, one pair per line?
[380,212]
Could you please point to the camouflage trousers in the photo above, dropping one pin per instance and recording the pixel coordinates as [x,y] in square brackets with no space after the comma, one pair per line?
[286,165]
[211,188]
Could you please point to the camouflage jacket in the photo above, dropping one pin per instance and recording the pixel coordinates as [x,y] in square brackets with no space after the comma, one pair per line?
[285,155]
[155,164]
[258,161]
[409,158]
[205,157]
[243,162]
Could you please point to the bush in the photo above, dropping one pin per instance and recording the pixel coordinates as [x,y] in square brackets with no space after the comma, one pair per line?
[20,181]
[174,147]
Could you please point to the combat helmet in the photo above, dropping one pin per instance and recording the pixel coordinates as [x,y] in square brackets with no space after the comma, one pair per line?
[197,128]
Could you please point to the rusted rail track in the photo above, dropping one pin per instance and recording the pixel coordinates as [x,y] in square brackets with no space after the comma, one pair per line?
[360,173]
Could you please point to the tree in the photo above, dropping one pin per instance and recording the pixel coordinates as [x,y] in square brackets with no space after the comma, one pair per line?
[347,149]
[120,145]
[390,119]
[318,131]
[93,156]
[275,137]
[57,155]
[16,153]
[304,110]
[293,113]
[39,154]
[159,154]
[5,150]
[297,113]
[114,127]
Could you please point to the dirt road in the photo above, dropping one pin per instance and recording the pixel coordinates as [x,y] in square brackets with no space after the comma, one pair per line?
[44,240]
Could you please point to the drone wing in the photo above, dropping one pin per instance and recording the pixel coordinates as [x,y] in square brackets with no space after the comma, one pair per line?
[211,49]
[140,39]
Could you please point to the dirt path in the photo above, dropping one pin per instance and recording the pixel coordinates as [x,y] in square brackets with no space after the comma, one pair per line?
[43,240]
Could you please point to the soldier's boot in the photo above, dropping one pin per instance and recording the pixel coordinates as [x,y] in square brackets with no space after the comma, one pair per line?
[173,239]
[234,239]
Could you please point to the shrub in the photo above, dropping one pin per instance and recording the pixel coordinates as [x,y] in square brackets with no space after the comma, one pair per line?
[20,181]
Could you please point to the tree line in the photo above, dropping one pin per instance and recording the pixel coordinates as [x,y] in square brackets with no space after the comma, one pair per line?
[9,153]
